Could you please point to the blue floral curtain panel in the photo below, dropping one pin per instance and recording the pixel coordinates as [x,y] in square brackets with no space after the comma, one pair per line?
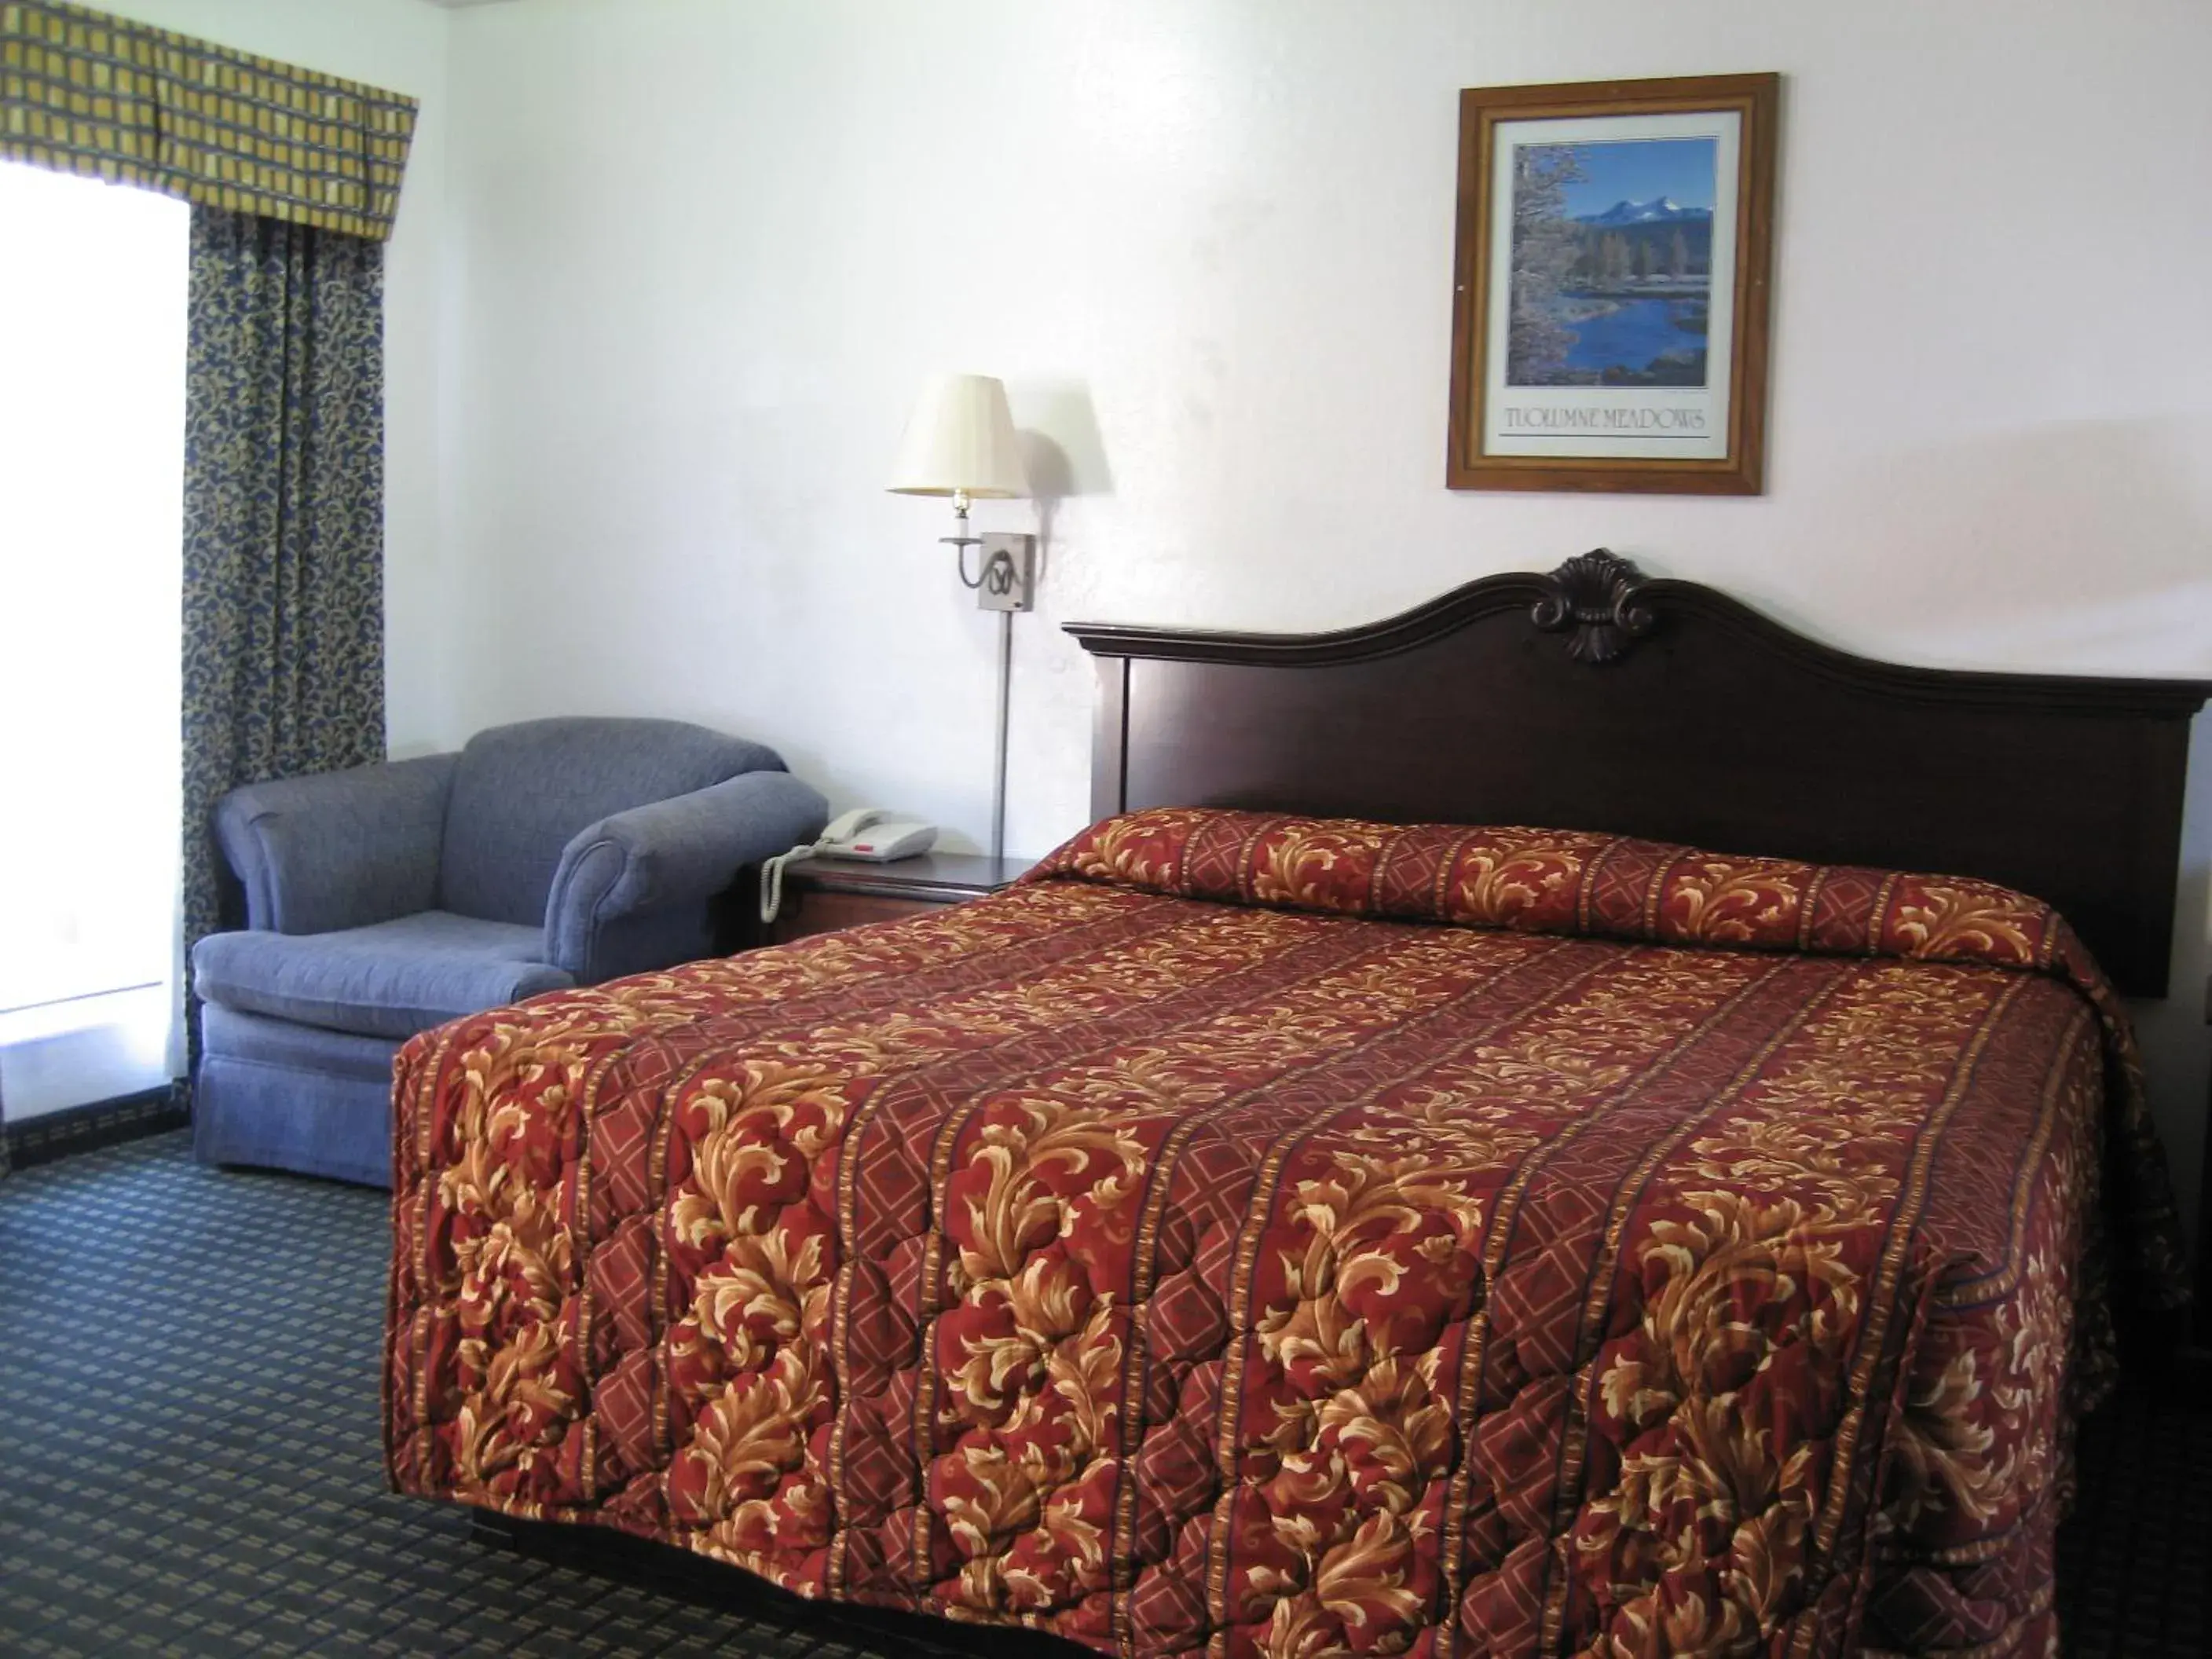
[283,647]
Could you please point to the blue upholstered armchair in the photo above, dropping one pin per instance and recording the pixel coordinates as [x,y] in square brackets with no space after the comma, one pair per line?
[387,899]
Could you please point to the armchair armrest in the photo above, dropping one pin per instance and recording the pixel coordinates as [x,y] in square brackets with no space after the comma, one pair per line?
[670,854]
[340,849]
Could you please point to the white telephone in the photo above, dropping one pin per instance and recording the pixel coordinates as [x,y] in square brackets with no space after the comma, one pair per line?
[871,833]
[867,832]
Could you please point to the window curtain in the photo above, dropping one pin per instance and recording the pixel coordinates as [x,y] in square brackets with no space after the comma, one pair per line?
[283,647]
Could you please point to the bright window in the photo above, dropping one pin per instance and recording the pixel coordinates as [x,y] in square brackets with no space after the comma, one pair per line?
[92,400]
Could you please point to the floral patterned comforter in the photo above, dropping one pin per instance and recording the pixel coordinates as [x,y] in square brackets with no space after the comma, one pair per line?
[1187,1251]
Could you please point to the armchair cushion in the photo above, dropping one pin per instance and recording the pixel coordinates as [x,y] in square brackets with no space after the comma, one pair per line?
[667,854]
[521,793]
[390,980]
[342,849]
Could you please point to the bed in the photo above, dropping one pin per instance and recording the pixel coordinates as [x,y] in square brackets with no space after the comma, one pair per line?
[1303,1217]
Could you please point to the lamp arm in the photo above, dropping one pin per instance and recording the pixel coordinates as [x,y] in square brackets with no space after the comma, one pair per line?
[961,545]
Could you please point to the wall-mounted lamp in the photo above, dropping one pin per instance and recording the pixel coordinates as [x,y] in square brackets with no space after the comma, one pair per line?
[960,443]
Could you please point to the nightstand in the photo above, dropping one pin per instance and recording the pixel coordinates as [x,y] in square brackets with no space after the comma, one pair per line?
[823,894]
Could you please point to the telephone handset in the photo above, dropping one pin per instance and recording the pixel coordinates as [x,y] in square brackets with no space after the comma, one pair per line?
[868,833]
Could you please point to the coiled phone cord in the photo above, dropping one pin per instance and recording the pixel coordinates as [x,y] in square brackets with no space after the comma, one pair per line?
[772,879]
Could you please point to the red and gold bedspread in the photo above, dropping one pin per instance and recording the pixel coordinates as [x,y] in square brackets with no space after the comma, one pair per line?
[1182,1253]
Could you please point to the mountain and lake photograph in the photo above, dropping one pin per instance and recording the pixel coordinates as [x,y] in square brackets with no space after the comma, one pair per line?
[1611,263]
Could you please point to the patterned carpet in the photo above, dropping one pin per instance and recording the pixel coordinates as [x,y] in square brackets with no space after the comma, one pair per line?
[189,1462]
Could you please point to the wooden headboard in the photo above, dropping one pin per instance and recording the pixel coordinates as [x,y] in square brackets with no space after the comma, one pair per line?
[1594,699]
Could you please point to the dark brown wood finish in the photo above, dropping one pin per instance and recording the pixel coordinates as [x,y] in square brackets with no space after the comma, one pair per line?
[1757,99]
[2201,1327]
[1710,725]
[827,895]
[935,878]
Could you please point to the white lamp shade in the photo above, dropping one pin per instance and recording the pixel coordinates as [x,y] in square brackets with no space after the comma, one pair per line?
[960,437]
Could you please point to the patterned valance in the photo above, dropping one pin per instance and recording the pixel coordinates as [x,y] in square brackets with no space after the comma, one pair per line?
[88,93]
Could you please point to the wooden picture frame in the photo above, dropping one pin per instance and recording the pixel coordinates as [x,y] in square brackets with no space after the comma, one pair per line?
[1588,342]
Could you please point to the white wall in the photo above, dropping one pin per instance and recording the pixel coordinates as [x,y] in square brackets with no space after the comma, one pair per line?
[400,46]
[707,251]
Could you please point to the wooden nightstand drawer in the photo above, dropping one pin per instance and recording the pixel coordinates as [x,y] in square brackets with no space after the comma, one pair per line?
[825,895]
[805,913]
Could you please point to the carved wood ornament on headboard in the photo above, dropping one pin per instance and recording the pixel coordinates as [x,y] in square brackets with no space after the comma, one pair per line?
[1593,698]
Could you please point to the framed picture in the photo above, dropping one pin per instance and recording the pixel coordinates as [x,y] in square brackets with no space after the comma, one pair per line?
[1609,319]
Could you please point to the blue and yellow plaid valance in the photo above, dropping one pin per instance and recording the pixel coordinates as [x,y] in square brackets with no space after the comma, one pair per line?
[88,93]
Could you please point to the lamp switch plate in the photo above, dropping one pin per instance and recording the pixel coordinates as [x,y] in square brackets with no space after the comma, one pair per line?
[1009,571]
